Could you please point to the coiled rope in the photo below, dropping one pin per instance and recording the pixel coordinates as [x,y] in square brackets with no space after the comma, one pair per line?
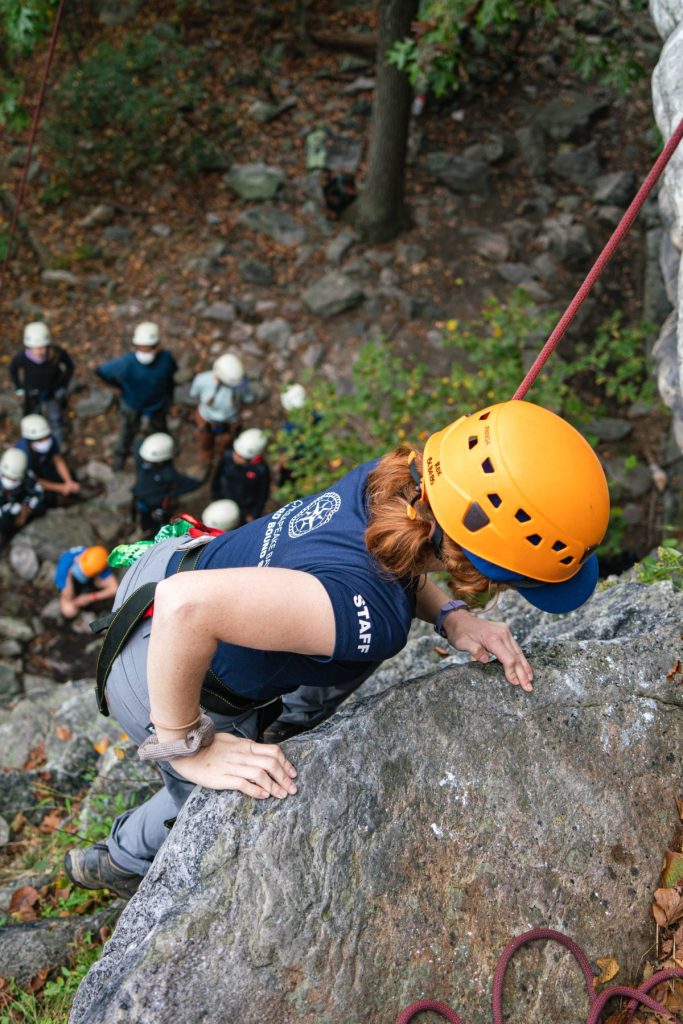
[597,1003]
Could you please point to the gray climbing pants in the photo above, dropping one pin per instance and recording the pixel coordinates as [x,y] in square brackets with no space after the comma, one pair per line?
[137,834]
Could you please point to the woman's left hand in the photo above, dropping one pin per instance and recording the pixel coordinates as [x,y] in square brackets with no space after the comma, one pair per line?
[482,638]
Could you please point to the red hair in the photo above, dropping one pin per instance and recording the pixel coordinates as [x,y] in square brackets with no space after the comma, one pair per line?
[401,523]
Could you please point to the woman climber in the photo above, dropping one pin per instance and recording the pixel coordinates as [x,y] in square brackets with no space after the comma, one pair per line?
[282,619]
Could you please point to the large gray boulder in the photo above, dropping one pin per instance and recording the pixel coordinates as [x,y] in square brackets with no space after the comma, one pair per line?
[667,93]
[434,821]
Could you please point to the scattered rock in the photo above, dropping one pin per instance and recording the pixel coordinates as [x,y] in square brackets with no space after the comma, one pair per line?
[23,560]
[332,294]
[492,245]
[459,174]
[223,312]
[59,277]
[609,428]
[569,117]
[533,151]
[16,629]
[338,246]
[617,188]
[100,214]
[497,147]
[95,403]
[277,224]
[579,166]
[626,481]
[256,272]
[254,181]
[275,333]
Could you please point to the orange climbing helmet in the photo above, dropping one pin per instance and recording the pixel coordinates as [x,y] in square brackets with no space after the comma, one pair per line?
[521,491]
[93,560]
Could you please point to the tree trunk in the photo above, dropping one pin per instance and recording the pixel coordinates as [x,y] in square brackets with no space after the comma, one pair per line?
[379,214]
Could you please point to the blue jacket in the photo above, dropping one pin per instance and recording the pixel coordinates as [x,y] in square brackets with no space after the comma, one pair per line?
[147,389]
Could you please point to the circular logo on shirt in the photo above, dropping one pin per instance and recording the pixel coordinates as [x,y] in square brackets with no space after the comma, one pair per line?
[314,515]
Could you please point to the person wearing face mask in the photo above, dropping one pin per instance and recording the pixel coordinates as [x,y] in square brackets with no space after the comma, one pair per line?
[145,378]
[243,475]
[83,579]
[21,496]
[41,374]
[157,483]
[45,459]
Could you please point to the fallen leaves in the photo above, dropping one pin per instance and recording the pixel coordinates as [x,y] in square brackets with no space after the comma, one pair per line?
[63,733]
[667,906]
[35,758]
[675,670]
[23,902]
[609,968]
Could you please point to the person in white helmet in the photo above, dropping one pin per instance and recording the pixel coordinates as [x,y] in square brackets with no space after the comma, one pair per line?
[221,391]
[41,374]
[21,496]
[244,475]
[292,399]
[157,482]
[45,459]
[222,515]
[145,377]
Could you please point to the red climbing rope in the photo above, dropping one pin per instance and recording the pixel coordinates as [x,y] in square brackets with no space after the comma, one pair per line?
[597,1002]
[602,261]
[31,141]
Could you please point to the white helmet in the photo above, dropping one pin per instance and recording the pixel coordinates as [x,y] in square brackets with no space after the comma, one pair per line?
[34,427]
[250,443]
[222,515]
[229,370]
[293,398]
[13,465]
[157,448]
[146,335]
[36,335]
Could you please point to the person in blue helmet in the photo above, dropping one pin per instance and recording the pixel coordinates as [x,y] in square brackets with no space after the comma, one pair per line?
[299,607]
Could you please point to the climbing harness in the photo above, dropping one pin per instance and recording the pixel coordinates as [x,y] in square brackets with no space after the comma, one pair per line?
[597,1002]
[603,259]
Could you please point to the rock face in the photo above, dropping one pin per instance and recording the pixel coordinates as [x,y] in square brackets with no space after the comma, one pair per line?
[435,820]
[667,92]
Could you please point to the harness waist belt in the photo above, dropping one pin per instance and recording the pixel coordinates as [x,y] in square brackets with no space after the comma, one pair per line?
[215,695]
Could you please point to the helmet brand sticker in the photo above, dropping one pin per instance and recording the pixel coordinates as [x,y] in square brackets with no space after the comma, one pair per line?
[314,515]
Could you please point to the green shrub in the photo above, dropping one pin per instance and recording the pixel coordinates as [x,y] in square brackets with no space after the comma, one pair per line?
[392,401]
[126,108]
[666,565]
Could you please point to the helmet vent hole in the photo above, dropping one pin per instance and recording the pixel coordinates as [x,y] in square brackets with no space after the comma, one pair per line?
[568,560]
[495,500]
[534,538]
[487,466]
[559,545]
[472,442]
[485,415]
[475,518]
[521,516]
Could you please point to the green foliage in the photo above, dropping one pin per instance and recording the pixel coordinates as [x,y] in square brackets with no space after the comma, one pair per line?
[52,1004]
[450,33]
[129,107]
[393,402]
[23,24]
[617,357]
[666,565]
[447,31]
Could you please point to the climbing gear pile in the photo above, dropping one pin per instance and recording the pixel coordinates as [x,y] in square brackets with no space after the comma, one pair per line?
[597,1002]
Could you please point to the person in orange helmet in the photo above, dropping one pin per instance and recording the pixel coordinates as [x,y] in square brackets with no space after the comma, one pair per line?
[302,605]
[83,579]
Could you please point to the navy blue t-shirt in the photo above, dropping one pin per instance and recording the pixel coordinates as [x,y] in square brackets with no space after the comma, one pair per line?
[324,536]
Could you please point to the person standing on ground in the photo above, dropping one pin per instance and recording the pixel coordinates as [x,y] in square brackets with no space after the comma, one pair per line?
[83,579]
[45,459]
[21,496]
[221,391]
[158,483]
[243,474]
[145,378]
[41,373]
[311,599]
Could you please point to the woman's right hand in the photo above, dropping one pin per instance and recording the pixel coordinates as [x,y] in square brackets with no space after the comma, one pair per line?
[259,770]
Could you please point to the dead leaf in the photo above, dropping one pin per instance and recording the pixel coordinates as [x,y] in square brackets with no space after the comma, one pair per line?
[36,757]
[667,906]
[51,821]
[442,651]
[102,745]
[63,732]
[609,968]
[675,670]
[23,901]
[679,807]
[672,871]
[37,982]
[18,822]
[119,753]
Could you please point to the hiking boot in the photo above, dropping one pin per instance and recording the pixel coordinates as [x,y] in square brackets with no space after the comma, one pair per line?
[91,867]
[278,732]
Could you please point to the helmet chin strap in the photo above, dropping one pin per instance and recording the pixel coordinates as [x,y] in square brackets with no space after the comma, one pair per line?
[435,536]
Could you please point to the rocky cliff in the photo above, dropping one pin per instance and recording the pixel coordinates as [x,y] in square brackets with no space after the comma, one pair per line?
[436,818]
